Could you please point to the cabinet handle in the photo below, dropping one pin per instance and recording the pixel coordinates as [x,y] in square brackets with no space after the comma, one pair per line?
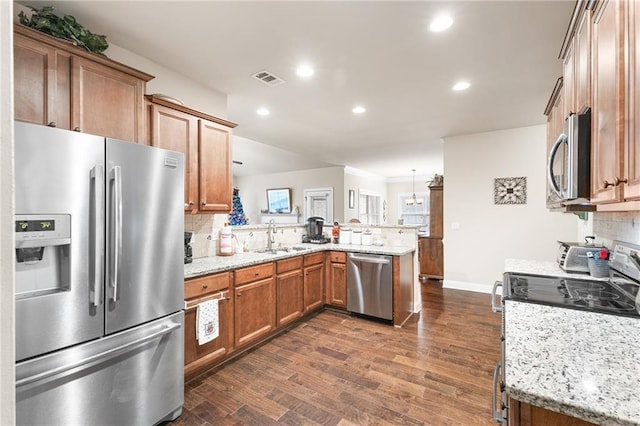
[204,203]
[238,294]
[227,298]
[205,286]
[617,181]
[191,203]
[76,129]
[256,274]
[52,124]
[608,184]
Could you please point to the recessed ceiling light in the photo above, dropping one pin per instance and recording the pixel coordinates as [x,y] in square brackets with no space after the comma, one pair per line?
[262,111]
[441,23]
[461,85]
[359,109]
[305,71]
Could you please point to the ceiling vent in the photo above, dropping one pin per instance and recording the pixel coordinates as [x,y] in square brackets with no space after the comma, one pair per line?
[268,78]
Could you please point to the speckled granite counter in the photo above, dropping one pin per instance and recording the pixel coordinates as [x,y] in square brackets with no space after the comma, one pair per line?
[210,265]
[579,363]
[542,267]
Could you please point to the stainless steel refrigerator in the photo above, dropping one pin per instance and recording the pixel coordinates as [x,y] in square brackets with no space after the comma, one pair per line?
[99,280]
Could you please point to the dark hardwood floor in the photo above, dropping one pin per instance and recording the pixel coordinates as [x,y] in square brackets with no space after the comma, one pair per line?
[336,369]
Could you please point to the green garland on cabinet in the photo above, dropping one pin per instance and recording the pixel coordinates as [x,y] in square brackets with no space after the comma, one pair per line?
[66,28]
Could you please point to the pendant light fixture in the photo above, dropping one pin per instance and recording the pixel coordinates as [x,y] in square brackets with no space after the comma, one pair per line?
[412,201]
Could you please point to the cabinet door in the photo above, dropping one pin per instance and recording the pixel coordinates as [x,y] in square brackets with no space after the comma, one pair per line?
[435,211]
[568,73]
[214,167]
[523,414]
[431,258]
[289,295]
[337,285]
[255,313]
[582,53]
[632,171]
[313,279]
[42,83]
[177,131]
[198,356]
[608,102]
[106,102]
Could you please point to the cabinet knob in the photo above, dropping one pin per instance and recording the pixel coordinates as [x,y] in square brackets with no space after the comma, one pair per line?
[608,184]
[52,124]
[76,129]
[191,203]
[617,181]
[205,286]
[256,274]
[227,298]
[204,203]
[238,294]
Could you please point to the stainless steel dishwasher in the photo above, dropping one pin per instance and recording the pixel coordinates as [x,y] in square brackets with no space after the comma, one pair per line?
[370,285]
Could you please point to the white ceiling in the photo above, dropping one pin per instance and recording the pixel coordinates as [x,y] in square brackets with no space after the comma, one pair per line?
[379,54]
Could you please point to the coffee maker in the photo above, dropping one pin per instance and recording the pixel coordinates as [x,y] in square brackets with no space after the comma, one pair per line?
[188,252]
[314,231]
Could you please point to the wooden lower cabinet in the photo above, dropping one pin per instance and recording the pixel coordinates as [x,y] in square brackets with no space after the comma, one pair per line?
[337,280]
[199,357]
[431,252]
[255,307]
[523,414]
[289,290]
[313,281]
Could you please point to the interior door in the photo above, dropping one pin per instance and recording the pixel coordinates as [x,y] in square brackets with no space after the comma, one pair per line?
[58,174]
[145,231]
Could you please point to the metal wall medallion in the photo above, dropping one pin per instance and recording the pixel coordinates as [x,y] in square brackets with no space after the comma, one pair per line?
[511,190]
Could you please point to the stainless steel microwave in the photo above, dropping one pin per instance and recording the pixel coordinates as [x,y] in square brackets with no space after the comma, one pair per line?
[569,163]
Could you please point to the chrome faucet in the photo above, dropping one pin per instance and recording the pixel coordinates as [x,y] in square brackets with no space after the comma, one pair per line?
[271,230]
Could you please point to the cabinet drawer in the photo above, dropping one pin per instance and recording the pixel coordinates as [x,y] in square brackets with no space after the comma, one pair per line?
[287,265]
[253,273]
[197,287]
[338,256]
[312,259]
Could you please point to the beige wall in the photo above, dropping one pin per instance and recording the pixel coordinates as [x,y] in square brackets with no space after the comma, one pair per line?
[7,390]
[396,188]
[488,233]
[253,189]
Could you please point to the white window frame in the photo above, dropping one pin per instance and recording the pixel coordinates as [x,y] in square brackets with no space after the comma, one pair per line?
[311,196]
[411,214]
[365,217]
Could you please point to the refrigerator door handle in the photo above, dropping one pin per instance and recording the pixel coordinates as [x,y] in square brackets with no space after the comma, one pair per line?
[116,177]
[97,179]
[98,358]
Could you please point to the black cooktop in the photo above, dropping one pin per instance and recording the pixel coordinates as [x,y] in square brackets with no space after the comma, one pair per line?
[616,296]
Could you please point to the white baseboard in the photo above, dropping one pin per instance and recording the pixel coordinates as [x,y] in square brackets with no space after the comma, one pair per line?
[463,285]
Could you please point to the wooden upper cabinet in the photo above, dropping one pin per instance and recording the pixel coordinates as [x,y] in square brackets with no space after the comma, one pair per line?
[205,141]
[42,83]
[632,137]
[607,121]
[582,61]
[58,84]
[568,72]
[177,131]
[214,167]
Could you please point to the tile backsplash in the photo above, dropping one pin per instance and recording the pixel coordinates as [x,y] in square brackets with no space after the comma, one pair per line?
[205,230]
[624,226]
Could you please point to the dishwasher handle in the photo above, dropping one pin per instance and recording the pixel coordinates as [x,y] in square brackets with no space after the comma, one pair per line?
[379,260]
[496,307]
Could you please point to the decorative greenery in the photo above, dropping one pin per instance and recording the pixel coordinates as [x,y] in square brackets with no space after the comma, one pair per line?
[66,28]
[437,180]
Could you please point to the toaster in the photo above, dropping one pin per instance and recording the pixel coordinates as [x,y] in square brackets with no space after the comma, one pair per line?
[572,257]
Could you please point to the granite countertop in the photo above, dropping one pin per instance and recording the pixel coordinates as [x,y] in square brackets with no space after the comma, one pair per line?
[214,264]
[580,363]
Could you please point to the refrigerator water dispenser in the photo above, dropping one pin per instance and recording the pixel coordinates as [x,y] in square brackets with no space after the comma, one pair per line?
[42,254]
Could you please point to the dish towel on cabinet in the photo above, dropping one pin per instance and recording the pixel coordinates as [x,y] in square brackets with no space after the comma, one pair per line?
[207,320]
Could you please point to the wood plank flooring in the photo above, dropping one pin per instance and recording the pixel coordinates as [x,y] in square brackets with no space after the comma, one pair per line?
[336,369]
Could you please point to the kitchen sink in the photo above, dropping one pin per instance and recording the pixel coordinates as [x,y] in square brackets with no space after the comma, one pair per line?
[281,250]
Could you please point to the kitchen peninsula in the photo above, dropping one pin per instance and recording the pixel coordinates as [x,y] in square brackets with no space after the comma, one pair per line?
[261,294]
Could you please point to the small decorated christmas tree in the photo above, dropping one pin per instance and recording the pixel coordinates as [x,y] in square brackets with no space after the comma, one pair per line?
[237,217]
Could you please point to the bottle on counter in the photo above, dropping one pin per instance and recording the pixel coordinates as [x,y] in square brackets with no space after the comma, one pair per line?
[335,233]
[225,242]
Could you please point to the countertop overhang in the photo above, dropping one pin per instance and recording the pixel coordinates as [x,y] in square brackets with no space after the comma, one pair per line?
[214,264]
